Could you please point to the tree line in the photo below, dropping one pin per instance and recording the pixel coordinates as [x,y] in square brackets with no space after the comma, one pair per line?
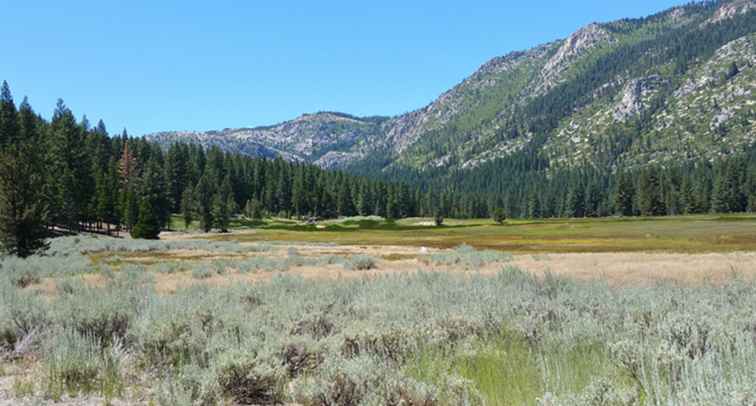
[64,175]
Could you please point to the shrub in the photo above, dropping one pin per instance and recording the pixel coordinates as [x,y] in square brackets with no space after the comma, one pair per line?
[104,314]
[21,314]
[168,267]
[439,219]
[262,264]
[364,380]
[202,272]
[247,380]
[360,263]
[499,215]
[466,256]
[76,363]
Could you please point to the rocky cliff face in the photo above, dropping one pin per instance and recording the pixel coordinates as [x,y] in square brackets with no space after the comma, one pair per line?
[577,45]
[608,87]
[635,96]
[731,9]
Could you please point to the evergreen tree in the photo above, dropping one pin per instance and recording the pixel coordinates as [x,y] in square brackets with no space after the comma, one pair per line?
[345,204]
[392,206]
[204,200]
[130,207]
[439,218]
[534,206]
[187,207]
[649,194]
[9,125]
[687,197]
[22,210]
[299,194]
[176,171]
[148,224]
[593,199]
[104,203]
[404,202]
[499,215]
[221,217]
[625,195]
[22,204]
[364,200]
[70,169]
[575,201]
[253,210]
[153,187]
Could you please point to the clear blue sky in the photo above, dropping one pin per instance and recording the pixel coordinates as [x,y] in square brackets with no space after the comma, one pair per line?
[198,65]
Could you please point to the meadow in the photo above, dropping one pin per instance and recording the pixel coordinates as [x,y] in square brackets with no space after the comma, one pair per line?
[694,234]
[344,315]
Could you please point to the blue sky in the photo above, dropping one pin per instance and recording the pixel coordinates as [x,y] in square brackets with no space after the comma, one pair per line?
[200,65]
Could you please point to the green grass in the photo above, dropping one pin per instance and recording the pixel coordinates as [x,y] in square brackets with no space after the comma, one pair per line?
[509,371]
[701,233]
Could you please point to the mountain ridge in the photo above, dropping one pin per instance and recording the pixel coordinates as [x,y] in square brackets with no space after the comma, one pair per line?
[548,98]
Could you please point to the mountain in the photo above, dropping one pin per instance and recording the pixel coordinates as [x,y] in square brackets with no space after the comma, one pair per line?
[676,85]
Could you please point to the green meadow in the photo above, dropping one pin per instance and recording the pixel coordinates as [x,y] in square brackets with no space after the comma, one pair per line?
[685,234]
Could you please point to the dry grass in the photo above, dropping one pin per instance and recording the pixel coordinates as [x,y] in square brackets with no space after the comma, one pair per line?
[617,269]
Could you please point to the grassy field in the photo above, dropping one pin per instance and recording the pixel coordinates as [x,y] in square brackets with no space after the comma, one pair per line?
[94,323]
[275,313]
[684,234]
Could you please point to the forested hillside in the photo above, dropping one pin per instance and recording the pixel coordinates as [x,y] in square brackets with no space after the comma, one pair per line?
[68,176]
[648,116]
[675,85]
[555,130]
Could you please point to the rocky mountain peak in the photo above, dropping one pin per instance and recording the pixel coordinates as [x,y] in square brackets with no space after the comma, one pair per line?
[577,43]
[677,13]
[572,48]
[732,9]
[326,116]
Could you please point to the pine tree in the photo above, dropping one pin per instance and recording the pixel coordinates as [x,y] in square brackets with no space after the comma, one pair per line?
[22,205]
[649,194]
[176,169]
[404,202]
[575,201]
[687,197]
[438,218]
[723,198]
[204,200]
[534,206]
[364,200]
[148,224]
[22,211]
[221,217]
[70,169]
[9,125]
[625,195]
[253,210]
[299,194]
[104,204]
[499,215]
[392,205]
[187,207]
[130,207]
[345,204]
[593,199]
[128,163]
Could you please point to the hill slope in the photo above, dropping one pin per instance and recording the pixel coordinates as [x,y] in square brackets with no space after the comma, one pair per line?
[676,85]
